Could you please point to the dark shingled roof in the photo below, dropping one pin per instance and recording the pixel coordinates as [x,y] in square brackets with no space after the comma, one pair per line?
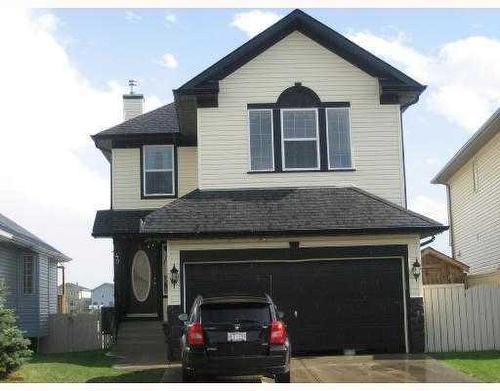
[26,238]
[109,222]
[160,120]
[282,211]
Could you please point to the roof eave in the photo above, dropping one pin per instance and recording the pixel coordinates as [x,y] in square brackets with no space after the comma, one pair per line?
[484,134]
[422,231]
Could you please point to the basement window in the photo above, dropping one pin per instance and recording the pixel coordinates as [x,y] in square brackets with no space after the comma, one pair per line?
[159,175]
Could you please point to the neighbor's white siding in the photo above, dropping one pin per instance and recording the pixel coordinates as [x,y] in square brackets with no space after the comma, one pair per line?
[475,216]
[126,177]
[376,129]
[174,248]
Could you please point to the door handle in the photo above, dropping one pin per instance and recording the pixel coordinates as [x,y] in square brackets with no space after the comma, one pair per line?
[295,313]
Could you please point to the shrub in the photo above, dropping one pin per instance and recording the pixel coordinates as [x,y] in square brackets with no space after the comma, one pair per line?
[14,347]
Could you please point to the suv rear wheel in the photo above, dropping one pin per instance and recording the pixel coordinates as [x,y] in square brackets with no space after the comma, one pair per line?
[282,377]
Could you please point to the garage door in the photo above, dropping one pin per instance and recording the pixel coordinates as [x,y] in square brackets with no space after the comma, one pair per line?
[329,304]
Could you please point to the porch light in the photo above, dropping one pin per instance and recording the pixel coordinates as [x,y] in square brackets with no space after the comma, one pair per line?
[116,257]
[416,269]
[174,276]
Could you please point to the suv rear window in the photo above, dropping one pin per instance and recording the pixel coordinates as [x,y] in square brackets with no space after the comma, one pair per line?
[235,312]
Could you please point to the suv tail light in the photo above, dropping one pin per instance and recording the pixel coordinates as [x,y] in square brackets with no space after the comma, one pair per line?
[195,335]
[277,333]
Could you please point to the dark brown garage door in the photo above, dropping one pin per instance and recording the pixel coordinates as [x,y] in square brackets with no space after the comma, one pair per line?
[329,304]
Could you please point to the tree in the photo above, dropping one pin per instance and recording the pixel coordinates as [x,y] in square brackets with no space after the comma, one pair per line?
[14,347]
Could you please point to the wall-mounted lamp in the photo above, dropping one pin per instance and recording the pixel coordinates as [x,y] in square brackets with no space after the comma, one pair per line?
[416,269]
[116,258]
[174,276]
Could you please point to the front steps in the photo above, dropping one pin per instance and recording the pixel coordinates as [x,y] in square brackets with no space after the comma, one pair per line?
[140,343]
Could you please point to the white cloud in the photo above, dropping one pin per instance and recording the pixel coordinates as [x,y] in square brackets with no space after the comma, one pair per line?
[170,19]
[253,22]
[169,61]
[53,178]
[429,207]
[132,17]
[463,75]
[48,22]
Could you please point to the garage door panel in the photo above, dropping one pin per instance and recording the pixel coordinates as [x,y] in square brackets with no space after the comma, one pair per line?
[338,303]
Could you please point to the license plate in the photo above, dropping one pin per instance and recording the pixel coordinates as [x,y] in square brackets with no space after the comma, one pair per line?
[236,336]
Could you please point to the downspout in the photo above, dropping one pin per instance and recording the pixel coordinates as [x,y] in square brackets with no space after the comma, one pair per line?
[428,241]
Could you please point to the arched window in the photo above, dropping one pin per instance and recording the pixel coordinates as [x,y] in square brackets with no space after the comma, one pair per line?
[299,133]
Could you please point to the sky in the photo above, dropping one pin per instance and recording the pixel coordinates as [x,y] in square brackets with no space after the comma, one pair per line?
[63,73]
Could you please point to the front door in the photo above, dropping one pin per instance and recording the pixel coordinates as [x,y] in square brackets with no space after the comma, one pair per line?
[143,285]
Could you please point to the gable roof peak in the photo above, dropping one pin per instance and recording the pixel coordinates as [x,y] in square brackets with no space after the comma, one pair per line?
[396,85]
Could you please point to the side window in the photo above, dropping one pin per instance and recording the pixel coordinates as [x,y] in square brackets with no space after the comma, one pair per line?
[261,140]
[475,176]
[338,126]
[28,274]
[159,173]
[300,139]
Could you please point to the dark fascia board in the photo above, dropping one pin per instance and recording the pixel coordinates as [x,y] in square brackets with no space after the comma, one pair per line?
[107,142]
[392,80]
[422,231]
[485,133]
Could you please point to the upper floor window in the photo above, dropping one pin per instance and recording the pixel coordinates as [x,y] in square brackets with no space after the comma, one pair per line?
[300,139]
[28,274]
[159,172]
[261,140]
[299,133]
[338,127]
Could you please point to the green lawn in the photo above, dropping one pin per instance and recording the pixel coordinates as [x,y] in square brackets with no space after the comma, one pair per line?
[80,367]
[484,366]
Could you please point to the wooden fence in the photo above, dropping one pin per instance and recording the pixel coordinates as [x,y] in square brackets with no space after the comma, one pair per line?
[74,333]
[461,319]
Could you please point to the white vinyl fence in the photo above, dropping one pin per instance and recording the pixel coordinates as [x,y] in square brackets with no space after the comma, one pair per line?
[460,319]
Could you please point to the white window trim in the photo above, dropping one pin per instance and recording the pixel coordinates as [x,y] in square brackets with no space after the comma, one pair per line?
[250,146]
[317,168]
[144,170]
[328,140]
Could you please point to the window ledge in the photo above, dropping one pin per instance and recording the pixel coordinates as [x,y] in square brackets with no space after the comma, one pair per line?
[298,171]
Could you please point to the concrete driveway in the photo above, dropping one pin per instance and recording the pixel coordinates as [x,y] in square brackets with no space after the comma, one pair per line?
[356,369]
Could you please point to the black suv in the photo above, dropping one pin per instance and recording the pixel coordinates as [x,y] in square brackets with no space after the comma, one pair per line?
[235,336]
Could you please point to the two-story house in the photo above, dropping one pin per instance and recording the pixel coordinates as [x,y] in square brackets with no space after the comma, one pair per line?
[103,296]
[278,169]
[472,180]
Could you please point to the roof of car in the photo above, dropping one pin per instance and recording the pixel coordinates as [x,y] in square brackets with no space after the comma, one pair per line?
[236,299]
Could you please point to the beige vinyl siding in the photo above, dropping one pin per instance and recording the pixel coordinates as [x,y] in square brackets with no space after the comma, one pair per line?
[126,177]
[174,248]
[475,216]
[376,129]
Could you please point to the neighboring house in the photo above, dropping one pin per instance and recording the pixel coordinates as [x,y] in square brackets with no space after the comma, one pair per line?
[279,169]
[439,268]
[103,295]
[472,180]
[28,267]
[78,298]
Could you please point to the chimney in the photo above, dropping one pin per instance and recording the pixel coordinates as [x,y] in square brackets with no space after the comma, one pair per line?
[133,103]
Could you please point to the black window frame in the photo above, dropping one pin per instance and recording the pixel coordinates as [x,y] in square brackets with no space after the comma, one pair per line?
[300,97]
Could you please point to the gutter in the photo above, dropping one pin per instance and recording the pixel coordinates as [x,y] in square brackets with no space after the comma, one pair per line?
[36,248]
